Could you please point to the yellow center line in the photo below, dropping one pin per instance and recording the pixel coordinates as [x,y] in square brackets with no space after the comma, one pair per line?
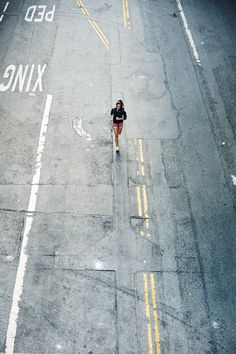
[141,156]
[140,212]
[82,7]
[99,33]
[145,203]
[127,12]
[146,300]
[93,24]
[137,157]
[157,334]
[124,13]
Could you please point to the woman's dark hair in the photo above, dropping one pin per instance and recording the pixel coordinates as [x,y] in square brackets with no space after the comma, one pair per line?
[121,104]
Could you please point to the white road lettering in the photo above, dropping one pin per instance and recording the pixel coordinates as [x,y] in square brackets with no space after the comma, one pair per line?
[18,76]
[39,14]
[9,73]
[30,13]
[50,14]
[39,79]
[30,78]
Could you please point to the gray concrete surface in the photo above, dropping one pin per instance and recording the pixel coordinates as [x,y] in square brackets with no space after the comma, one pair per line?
[117,238]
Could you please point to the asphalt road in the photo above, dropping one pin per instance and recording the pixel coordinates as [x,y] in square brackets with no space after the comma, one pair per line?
[128,253]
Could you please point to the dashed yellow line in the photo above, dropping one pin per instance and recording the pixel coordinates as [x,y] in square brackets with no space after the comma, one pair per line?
[93,23]
[127,22]
[148,315]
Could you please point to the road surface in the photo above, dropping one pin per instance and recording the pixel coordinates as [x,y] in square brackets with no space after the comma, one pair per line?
[128,253]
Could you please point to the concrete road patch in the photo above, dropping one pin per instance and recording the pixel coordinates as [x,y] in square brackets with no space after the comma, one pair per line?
[66,310]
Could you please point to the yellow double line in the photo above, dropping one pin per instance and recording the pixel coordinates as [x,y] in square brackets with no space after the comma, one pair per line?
[83,8]
[151,314]
[143,207]
[93,24]
[141,191]
[127,22]
[99,33]
[139,143]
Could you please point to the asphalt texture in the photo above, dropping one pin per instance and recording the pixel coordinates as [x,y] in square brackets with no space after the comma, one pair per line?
[130,252]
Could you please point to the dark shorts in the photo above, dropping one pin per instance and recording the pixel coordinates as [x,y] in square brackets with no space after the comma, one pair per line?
[117,125]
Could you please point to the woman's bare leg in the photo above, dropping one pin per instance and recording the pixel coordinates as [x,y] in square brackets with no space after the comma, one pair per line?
[120,129]
[116,132]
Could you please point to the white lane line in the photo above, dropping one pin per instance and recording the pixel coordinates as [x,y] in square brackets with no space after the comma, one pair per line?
[18,288]
[5,8]
[233,179]
[188,32]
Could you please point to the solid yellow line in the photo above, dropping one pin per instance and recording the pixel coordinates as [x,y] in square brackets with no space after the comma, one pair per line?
[140,213]
[124,13]
[146,300]
[98,33]
[127,13]
[93,24]
[141,156]
[137,157]
[145,203]
[127,9]
[157,334]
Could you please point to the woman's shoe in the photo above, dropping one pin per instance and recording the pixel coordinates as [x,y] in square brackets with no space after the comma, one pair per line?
[117,148]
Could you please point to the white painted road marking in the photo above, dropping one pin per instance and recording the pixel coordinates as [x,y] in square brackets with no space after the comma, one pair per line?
[77,126]
[233,179]
[39,79]
[5,9]
[188,32]
[41,12]
[6,6]
[19,282]
[20,75]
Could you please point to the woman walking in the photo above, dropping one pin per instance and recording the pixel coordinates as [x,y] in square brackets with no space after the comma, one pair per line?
[118,115]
